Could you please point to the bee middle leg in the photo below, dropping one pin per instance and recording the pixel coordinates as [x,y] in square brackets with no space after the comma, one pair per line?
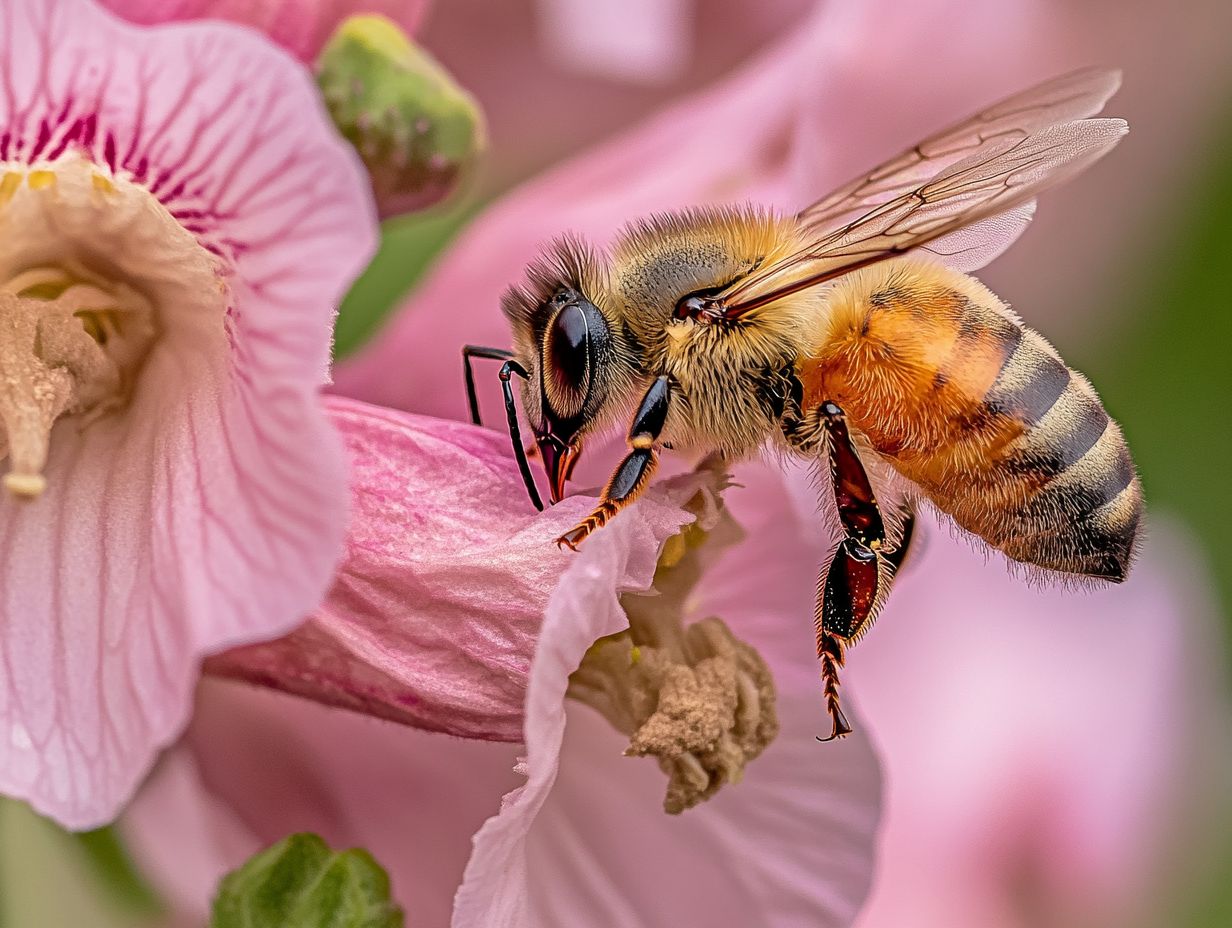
[633,474]
[854,585]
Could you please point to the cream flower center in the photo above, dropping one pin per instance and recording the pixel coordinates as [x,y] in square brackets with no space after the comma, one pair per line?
[691,695]
[90,264]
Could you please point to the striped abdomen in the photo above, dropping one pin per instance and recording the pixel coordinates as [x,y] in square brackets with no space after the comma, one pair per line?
[982,414]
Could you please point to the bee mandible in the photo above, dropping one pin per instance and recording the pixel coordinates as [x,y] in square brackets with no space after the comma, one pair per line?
[847,334]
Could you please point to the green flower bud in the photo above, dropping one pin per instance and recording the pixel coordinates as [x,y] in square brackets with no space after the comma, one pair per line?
[301,883]
[415,129]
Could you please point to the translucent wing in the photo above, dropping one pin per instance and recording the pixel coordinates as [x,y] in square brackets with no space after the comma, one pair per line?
[1001,176]
[1062,99]
[973,246]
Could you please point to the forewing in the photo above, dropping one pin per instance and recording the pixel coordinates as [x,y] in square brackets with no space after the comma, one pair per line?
[1000,178]
[1060,100]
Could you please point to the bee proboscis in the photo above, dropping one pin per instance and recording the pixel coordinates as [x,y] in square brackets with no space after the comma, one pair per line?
[848,333]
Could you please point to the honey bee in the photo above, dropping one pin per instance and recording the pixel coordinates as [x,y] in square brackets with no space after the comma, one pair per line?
[850,335]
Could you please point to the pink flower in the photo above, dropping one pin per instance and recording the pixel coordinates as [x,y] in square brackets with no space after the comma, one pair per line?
[262,765]
[436,606]
[179,221]
[584,832]
[300,26]
[798,139]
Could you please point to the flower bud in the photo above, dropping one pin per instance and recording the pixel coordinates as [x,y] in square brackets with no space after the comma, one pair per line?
[414,128]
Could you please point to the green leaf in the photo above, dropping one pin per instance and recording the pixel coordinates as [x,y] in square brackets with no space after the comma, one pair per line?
[408,246]
[301,883]
[114,868]
[46,881]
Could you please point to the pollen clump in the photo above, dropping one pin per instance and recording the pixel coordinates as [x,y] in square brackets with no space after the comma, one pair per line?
[693,696]
[9,183]
[102,183]
[41,180]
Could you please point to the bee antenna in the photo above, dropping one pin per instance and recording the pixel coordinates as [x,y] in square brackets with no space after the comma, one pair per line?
[508,369]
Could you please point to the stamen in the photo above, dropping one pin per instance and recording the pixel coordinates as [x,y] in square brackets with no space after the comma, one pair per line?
[693,696]
[94,274]
[67,347]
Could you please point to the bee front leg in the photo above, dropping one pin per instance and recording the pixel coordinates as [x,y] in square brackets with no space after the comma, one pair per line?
[852,588]
[633,474]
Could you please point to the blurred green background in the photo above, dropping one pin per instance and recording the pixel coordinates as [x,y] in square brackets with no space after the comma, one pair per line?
[1165,371]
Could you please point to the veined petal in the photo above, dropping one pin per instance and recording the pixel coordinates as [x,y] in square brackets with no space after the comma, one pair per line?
[227,133]
[436,605]
[300,26]
[584,832]
[793,840]
[210,509]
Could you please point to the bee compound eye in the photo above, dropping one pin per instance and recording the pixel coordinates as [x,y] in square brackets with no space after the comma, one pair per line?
[572,345]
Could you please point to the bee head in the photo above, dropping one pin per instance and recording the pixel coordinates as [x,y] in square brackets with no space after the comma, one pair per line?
[568,345]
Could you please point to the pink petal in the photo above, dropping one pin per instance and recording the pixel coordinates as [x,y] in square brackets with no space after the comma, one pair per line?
[793,841]
[211,511]
[435,608]
[278,764]
[173,801]
[518,56]
[640,41]
[300,26]
[791,844]
[584,836]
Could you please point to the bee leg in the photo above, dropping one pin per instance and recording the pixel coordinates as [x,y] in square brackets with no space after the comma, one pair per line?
[853,493]
[477,351]
[849,593]
[633,474]
[894,559]
[851,589]
[846,595]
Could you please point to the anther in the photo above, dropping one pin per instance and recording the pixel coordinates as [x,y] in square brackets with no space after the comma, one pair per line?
[66,348]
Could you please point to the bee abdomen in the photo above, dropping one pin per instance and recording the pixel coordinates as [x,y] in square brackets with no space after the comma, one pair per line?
[1080,501]
[980,413]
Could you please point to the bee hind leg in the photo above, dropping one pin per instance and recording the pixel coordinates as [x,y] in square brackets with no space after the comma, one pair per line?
[633,474]
[846,595]
[852,588]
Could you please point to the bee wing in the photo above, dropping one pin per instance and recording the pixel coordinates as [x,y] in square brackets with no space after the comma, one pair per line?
[973,246]
[970,201]
[1062,99]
